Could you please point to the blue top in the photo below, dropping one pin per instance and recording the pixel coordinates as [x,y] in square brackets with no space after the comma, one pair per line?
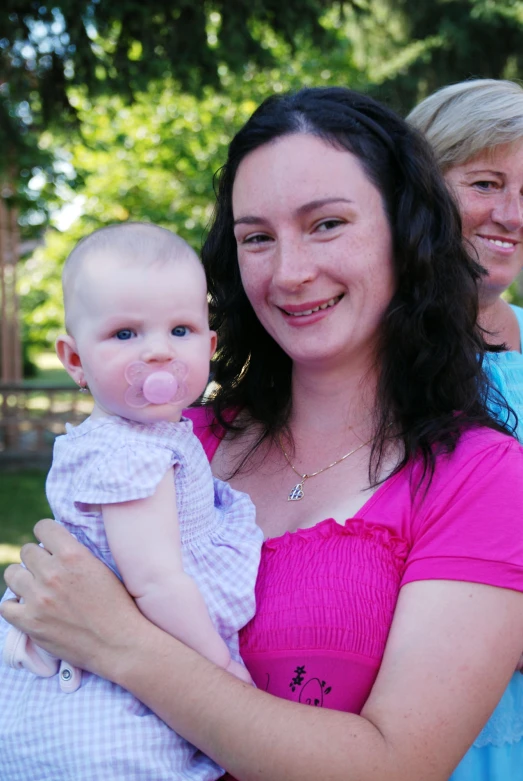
[506,723]
[506,371]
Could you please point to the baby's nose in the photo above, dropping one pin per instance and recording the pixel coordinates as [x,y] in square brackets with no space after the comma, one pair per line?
[158,350]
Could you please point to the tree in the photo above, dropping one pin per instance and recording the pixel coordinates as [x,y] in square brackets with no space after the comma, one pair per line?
[431,44]
[120,47]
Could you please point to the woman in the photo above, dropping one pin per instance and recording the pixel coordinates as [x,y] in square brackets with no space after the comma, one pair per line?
[348,388]
[476,131]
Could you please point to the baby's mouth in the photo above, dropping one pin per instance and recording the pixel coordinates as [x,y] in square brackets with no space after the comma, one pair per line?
[150,384]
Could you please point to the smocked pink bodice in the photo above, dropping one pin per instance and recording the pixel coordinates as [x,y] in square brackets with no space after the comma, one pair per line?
[325,596]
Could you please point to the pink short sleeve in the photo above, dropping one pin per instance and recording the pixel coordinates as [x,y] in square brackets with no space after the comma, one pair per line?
[469,524]
[205,428]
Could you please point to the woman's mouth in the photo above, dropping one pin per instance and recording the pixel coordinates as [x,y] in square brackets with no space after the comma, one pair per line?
[499,243]
[296,311]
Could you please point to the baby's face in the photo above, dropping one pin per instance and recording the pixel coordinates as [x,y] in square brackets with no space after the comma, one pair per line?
[148,315]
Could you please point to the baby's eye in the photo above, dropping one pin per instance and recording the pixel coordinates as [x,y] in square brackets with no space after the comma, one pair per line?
[124,334]
[180,330]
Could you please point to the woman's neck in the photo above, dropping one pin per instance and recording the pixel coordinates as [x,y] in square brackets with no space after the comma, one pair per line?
[498,319]
[330,403]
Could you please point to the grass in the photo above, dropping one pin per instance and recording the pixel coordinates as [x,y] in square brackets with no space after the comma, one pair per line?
[49,371]
[22,493]
[23,502]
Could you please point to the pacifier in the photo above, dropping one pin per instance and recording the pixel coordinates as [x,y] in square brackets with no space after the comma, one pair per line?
[150,385]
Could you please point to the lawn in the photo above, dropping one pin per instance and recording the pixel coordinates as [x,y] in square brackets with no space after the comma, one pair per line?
[49,371]
[23,502]
[22,494]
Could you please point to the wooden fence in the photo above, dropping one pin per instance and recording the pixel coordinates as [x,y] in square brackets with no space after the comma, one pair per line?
[32,416]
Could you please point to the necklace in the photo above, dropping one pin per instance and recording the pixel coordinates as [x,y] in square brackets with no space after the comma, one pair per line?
[297,492]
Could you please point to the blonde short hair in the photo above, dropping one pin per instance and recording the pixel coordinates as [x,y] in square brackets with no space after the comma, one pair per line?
[464,119]
[135,242]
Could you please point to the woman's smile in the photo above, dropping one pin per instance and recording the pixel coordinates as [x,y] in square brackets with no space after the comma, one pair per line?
[304,311]
[489,189]
[503,245]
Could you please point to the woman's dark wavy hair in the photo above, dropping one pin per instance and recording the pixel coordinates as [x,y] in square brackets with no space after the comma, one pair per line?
[431,384]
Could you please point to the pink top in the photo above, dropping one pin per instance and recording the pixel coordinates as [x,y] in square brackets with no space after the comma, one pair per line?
[325,596]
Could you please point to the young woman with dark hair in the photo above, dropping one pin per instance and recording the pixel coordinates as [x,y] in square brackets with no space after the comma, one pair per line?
[351,406]
[428,365]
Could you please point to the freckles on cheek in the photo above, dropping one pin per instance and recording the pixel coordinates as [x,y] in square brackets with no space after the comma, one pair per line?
[251,282]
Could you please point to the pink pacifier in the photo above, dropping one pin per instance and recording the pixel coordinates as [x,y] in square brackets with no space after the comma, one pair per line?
[150,385]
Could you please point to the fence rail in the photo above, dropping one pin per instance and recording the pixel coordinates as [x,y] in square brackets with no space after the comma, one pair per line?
[32,416]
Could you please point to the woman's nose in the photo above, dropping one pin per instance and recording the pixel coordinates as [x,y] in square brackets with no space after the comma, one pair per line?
[509,211]
[293,266]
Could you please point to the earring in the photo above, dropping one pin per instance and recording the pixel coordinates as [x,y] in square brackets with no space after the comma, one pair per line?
[83,389]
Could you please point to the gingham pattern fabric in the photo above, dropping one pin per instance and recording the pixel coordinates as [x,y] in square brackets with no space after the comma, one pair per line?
[102,732]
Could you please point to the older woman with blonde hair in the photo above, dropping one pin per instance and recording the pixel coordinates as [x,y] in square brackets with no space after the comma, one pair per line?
[476,131]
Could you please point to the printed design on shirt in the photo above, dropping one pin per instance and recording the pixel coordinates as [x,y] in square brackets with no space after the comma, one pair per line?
[311,691]
[298,677]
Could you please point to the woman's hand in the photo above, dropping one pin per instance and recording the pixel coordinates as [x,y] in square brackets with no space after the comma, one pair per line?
[73,605]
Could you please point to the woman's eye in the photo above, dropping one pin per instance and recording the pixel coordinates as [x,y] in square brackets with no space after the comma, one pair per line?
[180,330]
[124,334]
[485,184]
[327,225]
[256,238]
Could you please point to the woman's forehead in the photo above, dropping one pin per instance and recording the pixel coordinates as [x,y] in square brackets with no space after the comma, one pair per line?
[298,168]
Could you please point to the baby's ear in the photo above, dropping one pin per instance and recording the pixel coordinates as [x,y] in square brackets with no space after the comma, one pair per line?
[67,351]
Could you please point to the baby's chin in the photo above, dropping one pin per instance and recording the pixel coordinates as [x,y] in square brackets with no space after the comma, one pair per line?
[156,413]
[152,413]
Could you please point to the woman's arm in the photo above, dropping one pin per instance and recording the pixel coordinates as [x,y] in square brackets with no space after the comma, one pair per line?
[450,654]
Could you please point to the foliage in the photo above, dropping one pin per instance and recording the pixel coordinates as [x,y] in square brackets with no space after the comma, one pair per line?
[444,41]
[48,49]
[121,47]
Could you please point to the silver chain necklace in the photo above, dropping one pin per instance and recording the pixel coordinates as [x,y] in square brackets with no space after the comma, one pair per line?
[297,492]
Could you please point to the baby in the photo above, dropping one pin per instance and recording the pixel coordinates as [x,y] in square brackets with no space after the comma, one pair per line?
[133,484]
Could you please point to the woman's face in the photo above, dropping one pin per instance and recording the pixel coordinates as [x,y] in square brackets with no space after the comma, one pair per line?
[489,189]
[314,249]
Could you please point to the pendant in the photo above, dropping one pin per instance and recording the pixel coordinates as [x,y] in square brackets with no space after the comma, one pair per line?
[297,493]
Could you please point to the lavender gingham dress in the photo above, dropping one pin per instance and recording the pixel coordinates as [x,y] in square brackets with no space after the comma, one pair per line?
[102,732]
